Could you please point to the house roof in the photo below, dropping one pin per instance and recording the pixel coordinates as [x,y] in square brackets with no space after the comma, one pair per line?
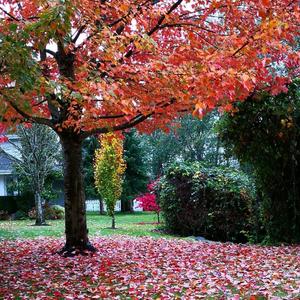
[5,163]
[8,152]
[10,146]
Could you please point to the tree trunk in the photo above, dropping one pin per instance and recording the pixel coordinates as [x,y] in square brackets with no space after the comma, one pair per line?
[113,222]
[126,205]
[101,211]
[131,206]
[40,217]
[75,211]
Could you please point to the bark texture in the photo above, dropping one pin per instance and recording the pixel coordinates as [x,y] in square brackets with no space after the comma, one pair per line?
[75,210]
[40,216]
[113,222]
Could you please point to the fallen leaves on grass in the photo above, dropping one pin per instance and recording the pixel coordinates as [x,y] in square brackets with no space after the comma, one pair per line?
[146,268]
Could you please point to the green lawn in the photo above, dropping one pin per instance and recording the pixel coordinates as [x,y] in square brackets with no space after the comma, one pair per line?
[127,224]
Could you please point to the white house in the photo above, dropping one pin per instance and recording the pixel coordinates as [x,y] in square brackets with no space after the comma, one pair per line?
[7,154]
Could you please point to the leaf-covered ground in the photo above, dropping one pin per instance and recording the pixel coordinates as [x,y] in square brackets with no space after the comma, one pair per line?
[147,268]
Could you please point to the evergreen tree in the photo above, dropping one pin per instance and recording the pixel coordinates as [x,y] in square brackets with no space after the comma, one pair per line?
[264,134]
[136,178]
[89,147]
[189,139]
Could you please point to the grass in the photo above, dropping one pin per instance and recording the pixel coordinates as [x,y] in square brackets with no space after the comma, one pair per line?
[126,223]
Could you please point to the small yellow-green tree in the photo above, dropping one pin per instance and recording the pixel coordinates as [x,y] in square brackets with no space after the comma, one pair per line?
[109,167]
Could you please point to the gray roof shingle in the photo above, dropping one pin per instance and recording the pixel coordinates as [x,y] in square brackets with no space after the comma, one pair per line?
[5,162]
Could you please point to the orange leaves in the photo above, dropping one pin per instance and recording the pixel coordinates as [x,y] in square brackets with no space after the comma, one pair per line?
[266,2]
[144,58]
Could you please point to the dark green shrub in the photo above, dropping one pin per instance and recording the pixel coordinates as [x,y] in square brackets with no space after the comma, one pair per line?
[264,134]
[212,202]
[20,215]
[4,215]
[12,204]
[25,201]
[8,204]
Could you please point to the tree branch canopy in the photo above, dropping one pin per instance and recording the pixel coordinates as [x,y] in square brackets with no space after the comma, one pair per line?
[91,67]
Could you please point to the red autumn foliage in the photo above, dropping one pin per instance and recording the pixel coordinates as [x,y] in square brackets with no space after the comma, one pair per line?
[85,67]
[102,65]
[147,201]
[146,268]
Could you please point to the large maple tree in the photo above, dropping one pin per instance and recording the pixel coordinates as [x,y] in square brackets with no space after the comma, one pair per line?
[86,67]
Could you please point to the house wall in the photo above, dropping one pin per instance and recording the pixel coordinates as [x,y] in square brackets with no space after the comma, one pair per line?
[2,186]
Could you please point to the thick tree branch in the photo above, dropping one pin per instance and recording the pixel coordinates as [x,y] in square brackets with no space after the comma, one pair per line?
[133,122]
[26,116]
[162,18]
[110,117]
[51,52]
[9,15]
[79,32]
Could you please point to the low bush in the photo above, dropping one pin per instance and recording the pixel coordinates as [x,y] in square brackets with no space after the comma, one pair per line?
[20,215]
[25,201]
[4,215]
[8,204]
[53,212]
[214,202]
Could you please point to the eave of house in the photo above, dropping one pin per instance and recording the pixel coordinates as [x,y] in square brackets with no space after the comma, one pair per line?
[5,172]
[9,148]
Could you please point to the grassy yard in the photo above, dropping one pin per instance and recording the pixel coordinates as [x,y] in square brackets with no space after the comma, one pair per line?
[127,224]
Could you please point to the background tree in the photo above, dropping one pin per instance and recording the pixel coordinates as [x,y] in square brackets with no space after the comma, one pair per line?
[39,150]
[91,67]
[90,145]
[135,176]
[264,134]
[109,169]
[188,139]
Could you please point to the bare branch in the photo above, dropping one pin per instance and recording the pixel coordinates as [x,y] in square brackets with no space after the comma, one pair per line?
[79,32]
[9,15]
[51,52]
[133,122]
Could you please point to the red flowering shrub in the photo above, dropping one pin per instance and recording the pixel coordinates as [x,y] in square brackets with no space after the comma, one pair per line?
[147,201]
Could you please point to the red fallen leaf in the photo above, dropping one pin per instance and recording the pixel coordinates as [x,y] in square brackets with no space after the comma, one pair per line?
[140,268]
[3,139]
[57,294]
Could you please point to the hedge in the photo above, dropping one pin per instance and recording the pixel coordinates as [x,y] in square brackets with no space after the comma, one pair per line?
[214,202]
